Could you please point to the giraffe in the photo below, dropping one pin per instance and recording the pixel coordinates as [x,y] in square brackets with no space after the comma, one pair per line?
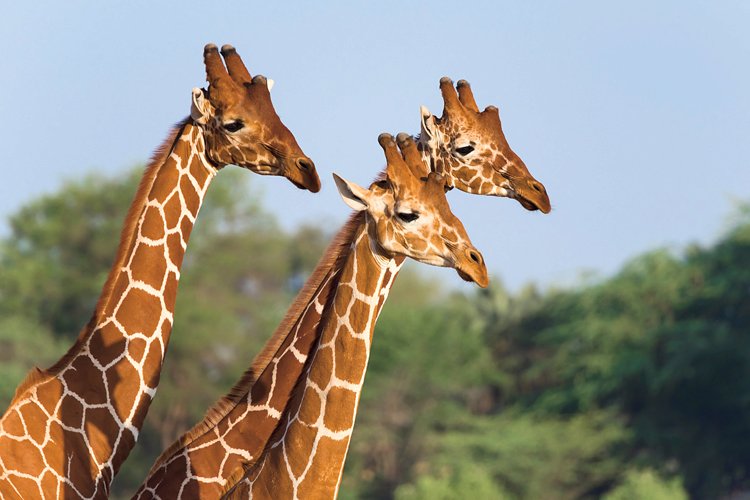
[69,428]
[405,215]
[235,430]
[469,147]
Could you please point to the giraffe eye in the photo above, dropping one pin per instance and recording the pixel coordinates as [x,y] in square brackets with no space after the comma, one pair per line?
[407,216]
[233,126]
[464,150]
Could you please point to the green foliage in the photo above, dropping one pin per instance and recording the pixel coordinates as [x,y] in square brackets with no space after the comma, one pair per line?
[695,380]
[23,343]
[451,485]
[533,457]
[637,386]
[647,484]
[569,352]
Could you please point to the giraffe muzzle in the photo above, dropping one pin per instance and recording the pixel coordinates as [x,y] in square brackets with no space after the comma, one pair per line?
[472,268]
[533,196]
[302,174]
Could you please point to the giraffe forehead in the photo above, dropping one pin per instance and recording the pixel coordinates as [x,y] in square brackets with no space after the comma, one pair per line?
[428,200]
[474,128]
[408,199]
[481,139]
[257,114]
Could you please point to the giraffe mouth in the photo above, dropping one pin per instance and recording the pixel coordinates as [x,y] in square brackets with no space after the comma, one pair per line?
[464,276]
[540,203]
[298,185]
[480,278]
[527,204]
[536,200]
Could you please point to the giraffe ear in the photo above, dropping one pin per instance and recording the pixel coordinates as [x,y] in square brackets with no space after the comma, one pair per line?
[355,196]
[428,122]
[199,110]
[269,84]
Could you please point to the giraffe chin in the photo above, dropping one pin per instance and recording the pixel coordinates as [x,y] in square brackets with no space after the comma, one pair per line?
[527,204]
[482,281]
[464,276]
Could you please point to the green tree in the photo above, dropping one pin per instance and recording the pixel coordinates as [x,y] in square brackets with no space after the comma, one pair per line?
[23,343]
[690,393]
[471,479]
[647,484]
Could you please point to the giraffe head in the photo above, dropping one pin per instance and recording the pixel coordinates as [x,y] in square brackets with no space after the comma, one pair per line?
[470,149]
[408,213]
[242,127]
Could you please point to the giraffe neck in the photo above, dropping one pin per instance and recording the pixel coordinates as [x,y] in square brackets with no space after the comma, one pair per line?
[305,456]
[69,429]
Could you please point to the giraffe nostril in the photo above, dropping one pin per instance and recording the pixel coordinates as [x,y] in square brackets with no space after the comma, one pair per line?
[305,164]
[537,187]
[473,255]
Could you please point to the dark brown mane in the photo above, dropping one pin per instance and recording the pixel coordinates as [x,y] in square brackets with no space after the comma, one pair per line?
[37,375]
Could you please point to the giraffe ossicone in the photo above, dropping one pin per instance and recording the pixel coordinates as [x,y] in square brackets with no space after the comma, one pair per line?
[69,428]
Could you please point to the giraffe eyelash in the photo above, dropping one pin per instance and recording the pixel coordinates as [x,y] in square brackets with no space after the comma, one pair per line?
[233,126]
[407,216]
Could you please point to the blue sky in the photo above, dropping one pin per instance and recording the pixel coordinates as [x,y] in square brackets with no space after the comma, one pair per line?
[635,115]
